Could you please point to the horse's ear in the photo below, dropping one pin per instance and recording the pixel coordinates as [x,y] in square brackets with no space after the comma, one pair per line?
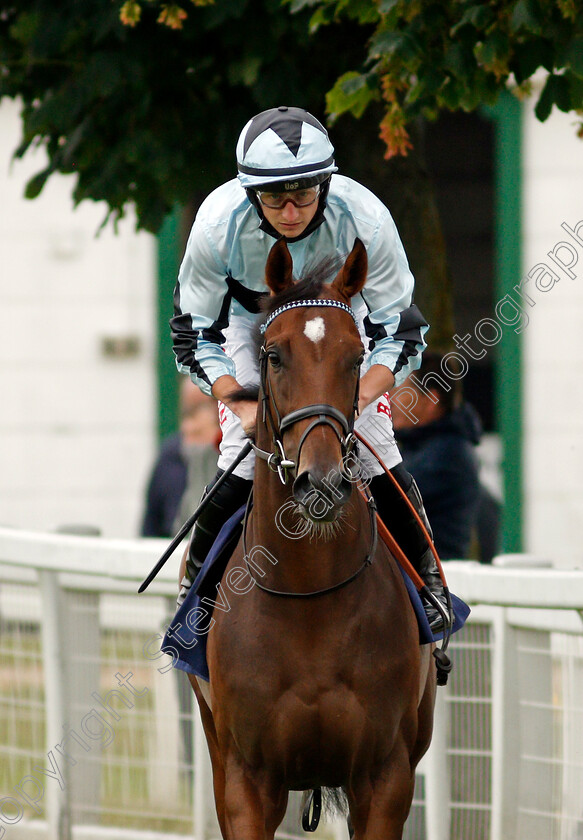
[279,268]
[352,276]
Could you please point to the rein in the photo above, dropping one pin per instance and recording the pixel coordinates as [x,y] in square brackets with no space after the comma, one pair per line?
[372,512]
[442,661]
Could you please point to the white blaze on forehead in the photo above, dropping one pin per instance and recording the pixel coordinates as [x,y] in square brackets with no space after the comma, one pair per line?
[315,329]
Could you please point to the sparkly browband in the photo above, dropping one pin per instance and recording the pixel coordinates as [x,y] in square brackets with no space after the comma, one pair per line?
[337,304]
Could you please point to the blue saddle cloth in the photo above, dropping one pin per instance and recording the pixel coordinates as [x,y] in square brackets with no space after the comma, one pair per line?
[186,637]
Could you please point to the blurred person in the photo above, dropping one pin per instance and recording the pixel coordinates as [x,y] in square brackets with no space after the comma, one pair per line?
[437,436]
[488,525]
[185,464]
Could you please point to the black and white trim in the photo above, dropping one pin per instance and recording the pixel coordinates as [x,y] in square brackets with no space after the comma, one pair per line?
[296,304]
[410,333]
[289,170]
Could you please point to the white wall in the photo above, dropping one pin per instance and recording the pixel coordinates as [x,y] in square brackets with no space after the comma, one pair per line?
[553,341]
[76,427]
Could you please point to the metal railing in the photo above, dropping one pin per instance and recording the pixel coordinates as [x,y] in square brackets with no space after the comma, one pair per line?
[99,738]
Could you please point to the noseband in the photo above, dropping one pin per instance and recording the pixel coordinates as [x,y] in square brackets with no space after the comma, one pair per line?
[322,413]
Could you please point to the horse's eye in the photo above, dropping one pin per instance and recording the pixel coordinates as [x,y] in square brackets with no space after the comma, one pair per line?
[274,359]
[358,363]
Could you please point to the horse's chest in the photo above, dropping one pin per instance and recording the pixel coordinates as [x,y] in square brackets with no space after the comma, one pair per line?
[313,671]
[301,686]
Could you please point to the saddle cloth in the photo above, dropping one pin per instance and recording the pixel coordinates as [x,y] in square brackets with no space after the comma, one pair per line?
[186,637]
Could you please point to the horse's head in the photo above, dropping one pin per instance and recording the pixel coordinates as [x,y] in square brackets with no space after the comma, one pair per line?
[310,368]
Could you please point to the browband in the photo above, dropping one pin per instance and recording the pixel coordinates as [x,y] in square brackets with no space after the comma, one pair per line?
[337,304]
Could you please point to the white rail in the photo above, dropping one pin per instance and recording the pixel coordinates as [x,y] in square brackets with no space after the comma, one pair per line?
[106,757]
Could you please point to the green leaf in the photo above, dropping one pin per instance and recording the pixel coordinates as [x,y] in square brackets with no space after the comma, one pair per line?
[545,102]
[574,55]
[555,92]
[244,72]
[388,44]
[526,15]
[575,89]
[323,16]
[449,94]
[298,5]
[25,27]
[531,55]
[387,6]
[103,73]
[494,51]
[422,91]
[352,92]
[361,10]
[35,186]
[562,94]
[459,60]
[477,16]
[390,11]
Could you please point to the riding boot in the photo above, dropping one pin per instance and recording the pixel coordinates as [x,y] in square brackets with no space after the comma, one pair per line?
[230,496]
[399,519]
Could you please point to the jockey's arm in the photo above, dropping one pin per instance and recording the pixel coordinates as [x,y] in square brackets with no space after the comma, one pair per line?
[376,381]
[246,410]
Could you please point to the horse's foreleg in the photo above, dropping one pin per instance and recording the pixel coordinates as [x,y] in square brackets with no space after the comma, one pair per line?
[380,812]
[253,811]
[216,760]
[426,708]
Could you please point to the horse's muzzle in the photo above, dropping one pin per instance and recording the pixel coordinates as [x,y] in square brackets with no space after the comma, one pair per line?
[321,498]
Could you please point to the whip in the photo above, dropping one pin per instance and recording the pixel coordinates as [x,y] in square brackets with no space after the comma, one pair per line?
[192,519]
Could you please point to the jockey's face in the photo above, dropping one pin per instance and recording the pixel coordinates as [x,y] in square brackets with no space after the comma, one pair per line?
[291,220]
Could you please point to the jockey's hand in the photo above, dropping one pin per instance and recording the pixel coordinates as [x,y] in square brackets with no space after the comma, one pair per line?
[246,410]
[376,381]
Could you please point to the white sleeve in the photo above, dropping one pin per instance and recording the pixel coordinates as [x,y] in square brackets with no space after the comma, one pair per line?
[202,302]
[394,325]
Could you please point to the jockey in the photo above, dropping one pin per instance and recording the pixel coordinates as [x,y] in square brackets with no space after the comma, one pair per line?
[287,186]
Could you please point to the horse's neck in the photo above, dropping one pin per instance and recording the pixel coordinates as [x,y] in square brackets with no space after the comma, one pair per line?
[308,562]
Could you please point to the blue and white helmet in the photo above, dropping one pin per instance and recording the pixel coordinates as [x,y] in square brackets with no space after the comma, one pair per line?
[284,146]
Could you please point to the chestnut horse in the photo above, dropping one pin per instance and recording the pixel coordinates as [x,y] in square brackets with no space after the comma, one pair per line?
[317,678]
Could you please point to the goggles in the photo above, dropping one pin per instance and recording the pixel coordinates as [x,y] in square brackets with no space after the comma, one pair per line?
[299,198]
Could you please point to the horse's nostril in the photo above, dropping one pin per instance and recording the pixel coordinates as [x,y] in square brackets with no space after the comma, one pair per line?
[338,486]
[321,497]
[302,487]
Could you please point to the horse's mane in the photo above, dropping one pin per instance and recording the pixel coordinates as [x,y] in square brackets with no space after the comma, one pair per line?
[308,286]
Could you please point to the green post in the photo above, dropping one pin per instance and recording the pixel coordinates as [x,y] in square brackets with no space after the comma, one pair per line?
[168,264]
[508,236]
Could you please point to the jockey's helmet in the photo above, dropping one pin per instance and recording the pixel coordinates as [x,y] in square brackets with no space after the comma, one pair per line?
[286,149]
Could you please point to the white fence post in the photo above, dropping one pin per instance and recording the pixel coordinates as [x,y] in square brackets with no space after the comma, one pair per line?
[201,794]
[435,767]
[505,729]
[206,824]
[79,627]
[57,797]
[166,737]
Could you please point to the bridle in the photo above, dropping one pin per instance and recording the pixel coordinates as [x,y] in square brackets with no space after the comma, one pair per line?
[277,460]
[323,413]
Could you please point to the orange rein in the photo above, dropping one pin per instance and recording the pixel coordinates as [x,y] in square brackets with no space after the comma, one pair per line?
[389,539]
